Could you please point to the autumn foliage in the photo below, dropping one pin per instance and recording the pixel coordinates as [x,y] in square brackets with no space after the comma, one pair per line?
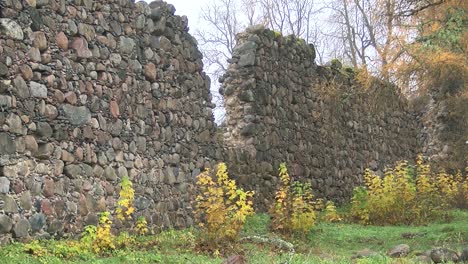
[221,207]
[407,195]
[293,210]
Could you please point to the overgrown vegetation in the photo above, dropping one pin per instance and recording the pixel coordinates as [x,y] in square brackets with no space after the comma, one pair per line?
[437,67]
[405,195]
[221,207]
[227,223]
[104,240]
[326,243]
[293,210]
[125,207]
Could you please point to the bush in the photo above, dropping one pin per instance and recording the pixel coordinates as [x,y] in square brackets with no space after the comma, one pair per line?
[125,207]
[405,195]
[104,241]
[141,226]
[331,215]
[293,210]
[221,207]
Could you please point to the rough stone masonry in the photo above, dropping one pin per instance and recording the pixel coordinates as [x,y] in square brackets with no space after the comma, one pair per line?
[91,91]
[282,107]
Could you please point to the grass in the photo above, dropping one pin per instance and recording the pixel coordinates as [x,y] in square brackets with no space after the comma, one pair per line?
[325,243]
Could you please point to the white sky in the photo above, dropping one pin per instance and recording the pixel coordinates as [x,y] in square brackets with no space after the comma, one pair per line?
[189,8]
[192,9]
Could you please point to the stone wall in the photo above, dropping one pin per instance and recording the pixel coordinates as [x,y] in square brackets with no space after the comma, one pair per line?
[282,107]
[91,91]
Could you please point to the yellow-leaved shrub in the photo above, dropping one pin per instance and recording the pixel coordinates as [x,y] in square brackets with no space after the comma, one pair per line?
[293,210]
[104,240]
[405,195]
[125,207]
[221,207]
[331,215]
[141,226]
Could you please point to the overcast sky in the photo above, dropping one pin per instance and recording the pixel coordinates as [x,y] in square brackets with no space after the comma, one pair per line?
[189,8]
[192,9]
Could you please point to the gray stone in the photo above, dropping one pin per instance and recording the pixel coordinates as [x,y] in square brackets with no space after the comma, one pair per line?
[116,28]
[126,45]
[110,174]
[34,54]
[142,203]
[45,151]
[159,27]
[156,13]
[11,29]
[10,205]
[115,128]
[98,171]
[248,130]
[5,224]
[247,96]
[73,171]
[5,102]
[36,19]
[115,58]
[88,4]
[3,69]
[80,45]
[444,255]
[140,22]
[4,185]
[31,144]
[38,90]
[26,200]
[37,222]
[247,59]
[41,3]
[256,29]
[55,226]
[135,65]
[92,219]
[399,251]
[165,43]
[87,31]
[196,172]
[7,145]
[72,27]
[77,115]
[22,228]
[44,129]
[246,47]
[169,176]
[15,123]
[21,87]
[40,40]
[141,144]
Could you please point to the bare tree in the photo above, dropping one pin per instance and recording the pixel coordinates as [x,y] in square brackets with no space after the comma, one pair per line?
[372,33]
[217,43]
[290,16]
[225,18]
[407,8]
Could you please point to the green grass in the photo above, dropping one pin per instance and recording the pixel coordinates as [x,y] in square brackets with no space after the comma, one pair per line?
[347,238]
[326,243]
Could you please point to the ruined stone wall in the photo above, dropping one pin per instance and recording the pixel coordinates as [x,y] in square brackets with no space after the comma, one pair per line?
[282,107]
[91,91]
